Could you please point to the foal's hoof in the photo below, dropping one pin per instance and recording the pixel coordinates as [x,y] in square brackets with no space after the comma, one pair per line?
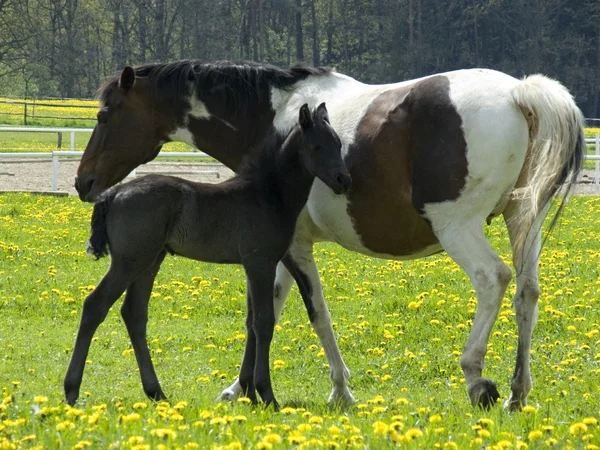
[228,395]
[483,393]
[514,404]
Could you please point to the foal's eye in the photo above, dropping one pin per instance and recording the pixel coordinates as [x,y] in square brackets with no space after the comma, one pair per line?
[102,116]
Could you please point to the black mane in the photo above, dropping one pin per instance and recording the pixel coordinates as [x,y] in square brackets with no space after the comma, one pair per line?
[237,81]
[261,165]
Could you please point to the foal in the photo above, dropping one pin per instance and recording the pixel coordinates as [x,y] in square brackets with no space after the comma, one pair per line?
[248,220]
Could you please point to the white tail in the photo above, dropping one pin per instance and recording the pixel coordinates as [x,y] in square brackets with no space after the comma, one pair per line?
[555,153]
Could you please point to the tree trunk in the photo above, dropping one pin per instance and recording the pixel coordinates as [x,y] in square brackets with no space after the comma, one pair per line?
[315,35]
[261,30]
[299,34]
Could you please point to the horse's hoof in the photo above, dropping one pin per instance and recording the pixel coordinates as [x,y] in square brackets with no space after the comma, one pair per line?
[483,393]
[228,395]
[341,397]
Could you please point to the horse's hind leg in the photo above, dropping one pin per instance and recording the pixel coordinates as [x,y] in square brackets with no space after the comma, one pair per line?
[465,243]
[283,285]
[95,309]
[135,315]
[526,307]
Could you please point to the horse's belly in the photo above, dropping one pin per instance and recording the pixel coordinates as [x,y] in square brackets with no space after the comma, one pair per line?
[386,229]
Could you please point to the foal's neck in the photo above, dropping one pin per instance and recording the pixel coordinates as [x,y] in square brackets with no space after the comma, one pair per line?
[295,181]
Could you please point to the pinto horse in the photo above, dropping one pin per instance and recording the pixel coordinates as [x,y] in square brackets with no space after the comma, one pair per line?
[431,159]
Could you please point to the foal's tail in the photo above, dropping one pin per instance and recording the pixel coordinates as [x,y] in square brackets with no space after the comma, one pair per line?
[555,154]
[98,243]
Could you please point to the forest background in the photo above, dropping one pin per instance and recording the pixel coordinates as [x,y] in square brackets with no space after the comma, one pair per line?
[65,48]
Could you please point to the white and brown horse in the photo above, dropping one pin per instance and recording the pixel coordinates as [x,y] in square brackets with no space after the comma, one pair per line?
[431,159]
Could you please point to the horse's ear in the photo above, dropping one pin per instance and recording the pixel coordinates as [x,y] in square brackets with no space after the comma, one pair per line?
[321,113]
[305,118]
[127,78]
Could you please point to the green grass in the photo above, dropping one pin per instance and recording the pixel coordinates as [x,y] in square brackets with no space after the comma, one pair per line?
[401,327]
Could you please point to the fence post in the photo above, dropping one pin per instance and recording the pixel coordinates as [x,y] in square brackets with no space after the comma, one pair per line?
[25,113]
[59,145]
[55,165]
[72,147]
[597,163]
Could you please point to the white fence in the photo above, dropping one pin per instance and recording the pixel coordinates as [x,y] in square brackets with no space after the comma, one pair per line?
[56,155]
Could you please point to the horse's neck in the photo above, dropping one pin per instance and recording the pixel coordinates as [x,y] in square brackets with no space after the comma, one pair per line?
[294,178]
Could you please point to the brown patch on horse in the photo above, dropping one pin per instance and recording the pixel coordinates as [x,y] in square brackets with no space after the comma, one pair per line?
[409,150]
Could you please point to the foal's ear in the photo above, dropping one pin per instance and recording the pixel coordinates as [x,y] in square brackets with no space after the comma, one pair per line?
[305,118]
[321,113]
[127,78]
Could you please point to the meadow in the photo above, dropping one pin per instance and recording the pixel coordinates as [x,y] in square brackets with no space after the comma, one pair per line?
[400,326]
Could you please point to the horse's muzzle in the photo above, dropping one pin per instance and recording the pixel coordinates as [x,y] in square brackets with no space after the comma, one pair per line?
[83,186]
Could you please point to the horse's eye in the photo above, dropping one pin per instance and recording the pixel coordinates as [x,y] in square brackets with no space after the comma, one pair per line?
[102,116]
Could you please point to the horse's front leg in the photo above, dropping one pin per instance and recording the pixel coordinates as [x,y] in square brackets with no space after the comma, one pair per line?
[261,276]
[283,285]
[301,264]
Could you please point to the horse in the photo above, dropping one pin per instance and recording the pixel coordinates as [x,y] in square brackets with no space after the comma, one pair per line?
[249,220]
[431,160]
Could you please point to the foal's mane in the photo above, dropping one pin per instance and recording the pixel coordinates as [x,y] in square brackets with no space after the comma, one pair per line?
[238,81]
[261,166]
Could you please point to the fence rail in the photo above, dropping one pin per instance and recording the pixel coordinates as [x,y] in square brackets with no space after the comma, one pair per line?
[56,155]
[30,113]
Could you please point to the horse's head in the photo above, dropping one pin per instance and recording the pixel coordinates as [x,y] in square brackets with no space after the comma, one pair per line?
[322,149]
[130,131]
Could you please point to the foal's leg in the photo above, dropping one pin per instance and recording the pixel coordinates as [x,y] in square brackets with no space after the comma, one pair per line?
[95,309]
[261,276]
[465,243]
[526,306]
[245,382]
[135,315]
[283,285]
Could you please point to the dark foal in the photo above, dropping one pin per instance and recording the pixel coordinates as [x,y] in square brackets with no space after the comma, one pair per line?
[248,220]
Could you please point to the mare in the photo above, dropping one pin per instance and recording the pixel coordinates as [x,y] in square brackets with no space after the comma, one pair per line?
[249,220]
[431,160]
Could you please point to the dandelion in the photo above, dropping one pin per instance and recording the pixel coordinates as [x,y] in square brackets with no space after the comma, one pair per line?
[272,438]
[163,433]
[413,433]
[590,421]
[380,427]
[130,418]
[535,434]
[436,418]
[40,399]
[578,428]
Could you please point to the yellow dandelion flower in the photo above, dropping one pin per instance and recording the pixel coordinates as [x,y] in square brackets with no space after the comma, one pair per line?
[578,428]
[413,433]
[82,444]
[264,445]
[130,418]
[590,421]
[436,418]
[380,427]
[40,399]
[334,431]
[135,440]
[244,400]
[165,433]
[529,409]
[140,405]
[483,433]
[272,438]
[535,434]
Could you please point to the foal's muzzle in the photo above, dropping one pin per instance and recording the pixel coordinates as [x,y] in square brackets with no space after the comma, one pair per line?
[342,184]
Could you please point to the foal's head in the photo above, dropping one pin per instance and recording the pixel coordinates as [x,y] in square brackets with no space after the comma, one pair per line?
[321,149]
